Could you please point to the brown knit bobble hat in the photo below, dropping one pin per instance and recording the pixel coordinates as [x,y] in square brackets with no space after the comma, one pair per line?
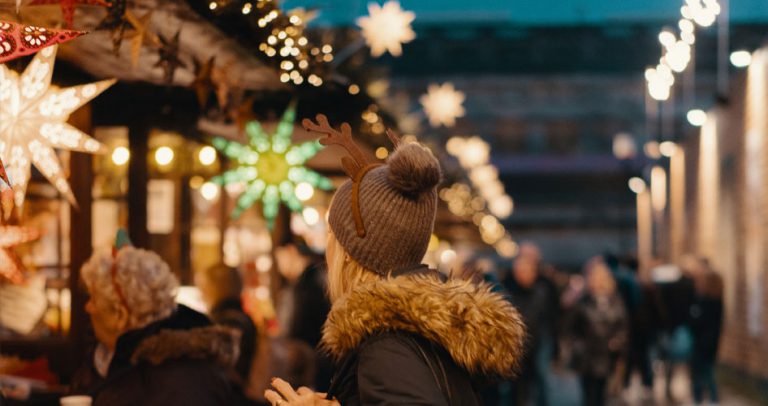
[397,203]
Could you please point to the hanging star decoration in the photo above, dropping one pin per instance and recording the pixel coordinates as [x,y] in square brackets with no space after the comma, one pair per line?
[140,35]
[33,117]
[203,82]
[271,167]
[11,267]
[442,104]
[169,57]
[386,28]
[68,7]
[117,22]
[17,40]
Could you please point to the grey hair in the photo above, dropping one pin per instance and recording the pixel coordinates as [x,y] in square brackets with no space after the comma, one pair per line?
[145,280]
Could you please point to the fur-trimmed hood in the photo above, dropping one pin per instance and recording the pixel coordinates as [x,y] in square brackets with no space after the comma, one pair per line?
[480,329]
[218,344]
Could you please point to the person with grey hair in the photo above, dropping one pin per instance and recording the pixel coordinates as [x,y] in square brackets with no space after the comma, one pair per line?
[150,350]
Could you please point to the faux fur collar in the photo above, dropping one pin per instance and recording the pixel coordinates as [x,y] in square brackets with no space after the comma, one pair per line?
[480,329]
[213,343]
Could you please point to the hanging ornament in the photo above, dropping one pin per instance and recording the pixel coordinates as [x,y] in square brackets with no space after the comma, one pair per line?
[442,104]
[203,83]
[117,22]
[387,28]
[17,40]
[271,168]
[223,83]
[11,268]
[169,57]
[140,35]
[33,119]
[68,7]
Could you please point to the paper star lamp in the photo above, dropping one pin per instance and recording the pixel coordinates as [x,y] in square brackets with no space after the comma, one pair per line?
[33,117]
[271,167]
[442,104]
[140,35]
[11,267]
[169,57]
[386,28]
[17,40]
[117,22]
[68,7]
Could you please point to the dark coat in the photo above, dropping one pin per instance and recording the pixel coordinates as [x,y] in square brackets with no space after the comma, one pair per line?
[593,325]
[415,340]
[230,313]
[179,360]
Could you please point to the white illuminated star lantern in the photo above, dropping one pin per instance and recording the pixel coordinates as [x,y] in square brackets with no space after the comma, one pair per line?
[443,104]
[33,117]
[387,28]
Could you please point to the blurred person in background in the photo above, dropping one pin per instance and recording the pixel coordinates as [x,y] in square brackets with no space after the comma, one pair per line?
[221,287]
[598,327]
[706,326]
[304,304]
[645,321]
[531,295]
[150,350]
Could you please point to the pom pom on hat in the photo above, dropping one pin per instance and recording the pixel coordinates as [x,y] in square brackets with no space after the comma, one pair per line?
[413,170]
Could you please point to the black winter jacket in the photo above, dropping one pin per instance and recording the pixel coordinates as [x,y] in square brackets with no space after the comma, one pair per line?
[415,340]
[181,360]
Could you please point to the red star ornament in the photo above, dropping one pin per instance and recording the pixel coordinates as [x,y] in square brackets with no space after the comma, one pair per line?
[17,40]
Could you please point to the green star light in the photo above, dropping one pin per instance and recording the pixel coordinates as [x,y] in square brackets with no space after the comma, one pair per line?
[271,167]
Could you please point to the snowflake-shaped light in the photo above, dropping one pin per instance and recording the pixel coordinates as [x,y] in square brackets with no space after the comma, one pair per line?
[33,117]
[442,103]
[387,28]
[271,167]
[11,267]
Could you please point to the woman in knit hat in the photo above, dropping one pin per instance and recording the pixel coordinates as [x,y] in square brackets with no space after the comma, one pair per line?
[400,334]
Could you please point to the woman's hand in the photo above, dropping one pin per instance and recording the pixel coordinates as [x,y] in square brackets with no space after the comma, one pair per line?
[286,396]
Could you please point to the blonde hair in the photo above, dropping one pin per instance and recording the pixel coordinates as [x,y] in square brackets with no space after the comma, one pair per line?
[147,283]
[344,273]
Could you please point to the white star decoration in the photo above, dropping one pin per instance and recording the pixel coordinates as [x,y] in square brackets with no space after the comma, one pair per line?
[33,117]
[387,28]
[442,103]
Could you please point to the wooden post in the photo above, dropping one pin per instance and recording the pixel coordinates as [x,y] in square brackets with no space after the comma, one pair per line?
[138,177]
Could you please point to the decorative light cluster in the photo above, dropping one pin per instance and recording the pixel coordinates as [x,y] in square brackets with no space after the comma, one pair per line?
[271,168]
[462,203]
[33,121]
[386,28]
[372,120]
[473,155]
[281,35]
[443,104]
[678,49]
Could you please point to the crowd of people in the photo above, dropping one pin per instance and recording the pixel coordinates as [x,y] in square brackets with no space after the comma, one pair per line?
[390,330]
[610,322]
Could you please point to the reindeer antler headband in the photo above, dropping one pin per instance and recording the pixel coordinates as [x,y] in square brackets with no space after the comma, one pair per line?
[355,166]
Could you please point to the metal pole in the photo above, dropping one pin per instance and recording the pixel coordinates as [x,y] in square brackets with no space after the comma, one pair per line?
[723,38]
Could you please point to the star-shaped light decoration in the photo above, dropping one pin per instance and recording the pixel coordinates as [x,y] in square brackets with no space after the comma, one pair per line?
[271,167]
[68,7]
[169,57]
[33,121]
[18,40]
[140,35]
[442,103]
[203,83]
[117,22]
[11,268]
[387,28]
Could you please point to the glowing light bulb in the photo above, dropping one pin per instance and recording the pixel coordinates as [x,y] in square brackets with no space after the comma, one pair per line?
[164,156]
[247,7]
[667,38]
[304,191]
[209,191]
[668,148]
[213,5]
[447,256]
[311,216]
[697,117]
[637,185]
[382,153]
[354,89]
[121,155]
[741,58]
[207,155]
